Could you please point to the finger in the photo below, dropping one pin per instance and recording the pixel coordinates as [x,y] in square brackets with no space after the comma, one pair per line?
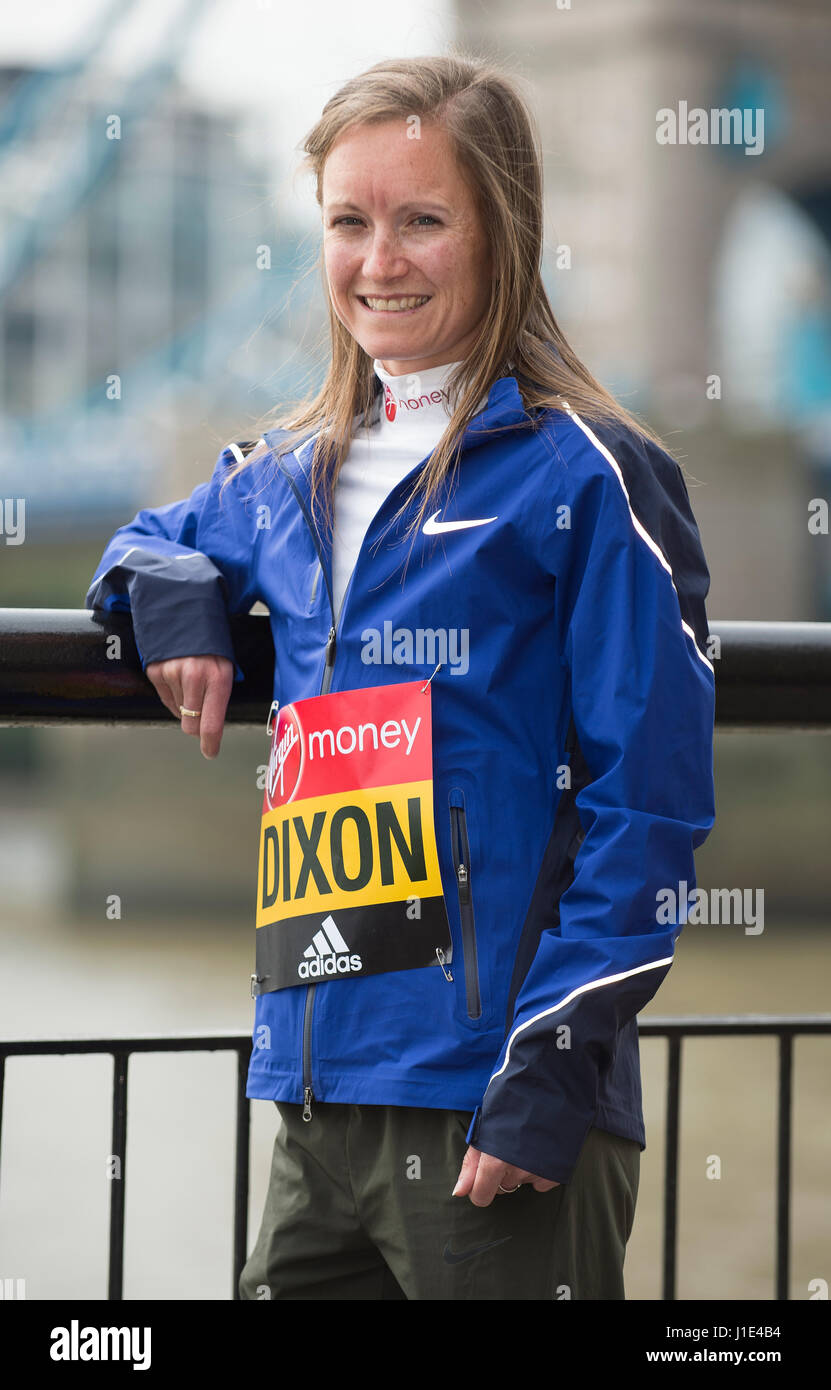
[467,1173]
[511,1180]
[490,1173]
[164,690]
[171,696]
[194,685]
[171,676]
[543,1185]
[214,706]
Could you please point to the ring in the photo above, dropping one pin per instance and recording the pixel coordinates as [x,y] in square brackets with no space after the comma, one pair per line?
[507,1190]
[194,713]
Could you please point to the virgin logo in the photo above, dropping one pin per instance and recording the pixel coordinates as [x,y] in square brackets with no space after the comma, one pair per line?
[389,403]
[285,763]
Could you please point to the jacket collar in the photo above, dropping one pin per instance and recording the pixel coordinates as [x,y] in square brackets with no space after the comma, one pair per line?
[504,408]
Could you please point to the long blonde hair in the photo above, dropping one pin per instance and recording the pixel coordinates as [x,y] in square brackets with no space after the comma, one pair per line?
[496,144]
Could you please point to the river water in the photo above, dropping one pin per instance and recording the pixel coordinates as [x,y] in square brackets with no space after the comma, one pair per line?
[155,976]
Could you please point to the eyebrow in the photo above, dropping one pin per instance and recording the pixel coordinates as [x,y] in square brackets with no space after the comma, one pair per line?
[335,205]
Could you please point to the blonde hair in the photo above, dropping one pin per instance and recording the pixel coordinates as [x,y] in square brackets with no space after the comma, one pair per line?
[496,145]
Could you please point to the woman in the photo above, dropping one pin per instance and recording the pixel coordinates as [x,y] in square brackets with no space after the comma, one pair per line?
[461,858]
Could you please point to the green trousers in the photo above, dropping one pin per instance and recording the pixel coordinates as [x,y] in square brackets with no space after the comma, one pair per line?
[359,1207]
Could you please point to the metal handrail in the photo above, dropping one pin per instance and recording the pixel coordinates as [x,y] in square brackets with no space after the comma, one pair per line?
[785,1027]
[121,1049]
[61,665]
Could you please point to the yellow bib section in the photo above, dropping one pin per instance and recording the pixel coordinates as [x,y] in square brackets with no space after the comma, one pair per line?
[351,849]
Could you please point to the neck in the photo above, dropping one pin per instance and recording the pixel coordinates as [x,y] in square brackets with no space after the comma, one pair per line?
[416,399]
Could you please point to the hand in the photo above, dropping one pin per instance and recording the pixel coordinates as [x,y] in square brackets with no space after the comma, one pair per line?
[197,682]
[481,1176]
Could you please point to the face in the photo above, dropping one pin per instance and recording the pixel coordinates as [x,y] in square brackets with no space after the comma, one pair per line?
[399,222]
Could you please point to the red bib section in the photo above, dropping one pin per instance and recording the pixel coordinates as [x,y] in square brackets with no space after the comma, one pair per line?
[348,880]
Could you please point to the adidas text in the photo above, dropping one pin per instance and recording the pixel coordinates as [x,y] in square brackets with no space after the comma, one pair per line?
[329,965]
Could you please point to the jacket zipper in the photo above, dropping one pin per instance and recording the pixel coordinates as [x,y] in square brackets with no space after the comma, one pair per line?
[328,667]
[308,1093]
[308,1007]
[461,864]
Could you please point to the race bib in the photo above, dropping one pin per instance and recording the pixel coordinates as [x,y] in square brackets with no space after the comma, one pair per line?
[348,880]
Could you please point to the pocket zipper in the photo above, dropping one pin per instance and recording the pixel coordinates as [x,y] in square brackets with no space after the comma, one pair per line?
[461,865]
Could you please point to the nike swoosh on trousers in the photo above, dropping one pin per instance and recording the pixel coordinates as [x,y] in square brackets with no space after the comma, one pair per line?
[453,1257]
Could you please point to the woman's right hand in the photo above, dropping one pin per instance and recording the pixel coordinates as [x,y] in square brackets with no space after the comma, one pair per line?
[200,683]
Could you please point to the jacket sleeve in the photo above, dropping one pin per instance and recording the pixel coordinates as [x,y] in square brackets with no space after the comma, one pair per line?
[632,630]
[181,569]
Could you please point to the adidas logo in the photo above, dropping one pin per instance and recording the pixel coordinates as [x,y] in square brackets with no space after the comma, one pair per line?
[328,954]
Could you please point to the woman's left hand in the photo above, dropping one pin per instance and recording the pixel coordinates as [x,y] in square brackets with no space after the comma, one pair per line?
[482,1176]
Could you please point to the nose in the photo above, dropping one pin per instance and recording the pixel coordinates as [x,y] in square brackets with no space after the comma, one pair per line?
[383,258]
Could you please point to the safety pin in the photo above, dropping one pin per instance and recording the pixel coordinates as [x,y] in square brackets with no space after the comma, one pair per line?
[426,683]
[273,708]
[444,962]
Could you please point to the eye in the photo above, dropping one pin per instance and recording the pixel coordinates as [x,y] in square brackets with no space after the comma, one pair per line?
[419,218]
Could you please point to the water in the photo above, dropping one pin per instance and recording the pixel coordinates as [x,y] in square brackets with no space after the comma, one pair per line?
[181,976]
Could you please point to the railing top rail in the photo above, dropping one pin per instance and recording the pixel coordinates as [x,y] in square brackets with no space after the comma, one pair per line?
[692,1025]
[194,1042]
[57,665]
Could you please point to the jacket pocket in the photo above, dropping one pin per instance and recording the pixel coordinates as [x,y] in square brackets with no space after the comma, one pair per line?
[461,865]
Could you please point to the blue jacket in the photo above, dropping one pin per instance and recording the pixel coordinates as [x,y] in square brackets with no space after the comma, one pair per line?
[583,600]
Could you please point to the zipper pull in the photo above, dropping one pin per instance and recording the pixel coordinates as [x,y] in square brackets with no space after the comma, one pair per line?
[308,1097]
[330,648]
[442,958]
[464,884]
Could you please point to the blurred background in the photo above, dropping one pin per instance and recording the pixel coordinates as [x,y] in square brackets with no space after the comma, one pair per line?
[158,293]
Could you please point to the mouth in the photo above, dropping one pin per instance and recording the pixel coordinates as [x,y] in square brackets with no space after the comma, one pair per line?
[404,304]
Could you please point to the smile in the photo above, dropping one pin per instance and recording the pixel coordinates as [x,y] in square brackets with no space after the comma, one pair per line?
[405,305]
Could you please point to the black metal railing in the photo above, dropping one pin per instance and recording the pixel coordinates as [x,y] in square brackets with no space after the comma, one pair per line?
[121,1049]
[63,666]
[673,1029]
[785,1028]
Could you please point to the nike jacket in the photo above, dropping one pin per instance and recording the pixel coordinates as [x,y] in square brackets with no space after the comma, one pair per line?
[572,758]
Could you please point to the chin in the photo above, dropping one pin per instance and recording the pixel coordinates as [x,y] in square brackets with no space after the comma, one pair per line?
[381,345]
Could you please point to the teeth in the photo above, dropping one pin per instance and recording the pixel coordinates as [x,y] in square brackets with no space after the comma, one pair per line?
[396,304]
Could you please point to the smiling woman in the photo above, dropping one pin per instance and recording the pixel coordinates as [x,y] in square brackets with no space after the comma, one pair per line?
[411,286]
[451,952]
[429,179]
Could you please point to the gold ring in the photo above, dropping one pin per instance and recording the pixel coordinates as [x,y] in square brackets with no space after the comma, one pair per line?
[192,713]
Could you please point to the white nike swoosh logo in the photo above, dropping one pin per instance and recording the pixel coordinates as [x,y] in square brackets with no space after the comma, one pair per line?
[434,528]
